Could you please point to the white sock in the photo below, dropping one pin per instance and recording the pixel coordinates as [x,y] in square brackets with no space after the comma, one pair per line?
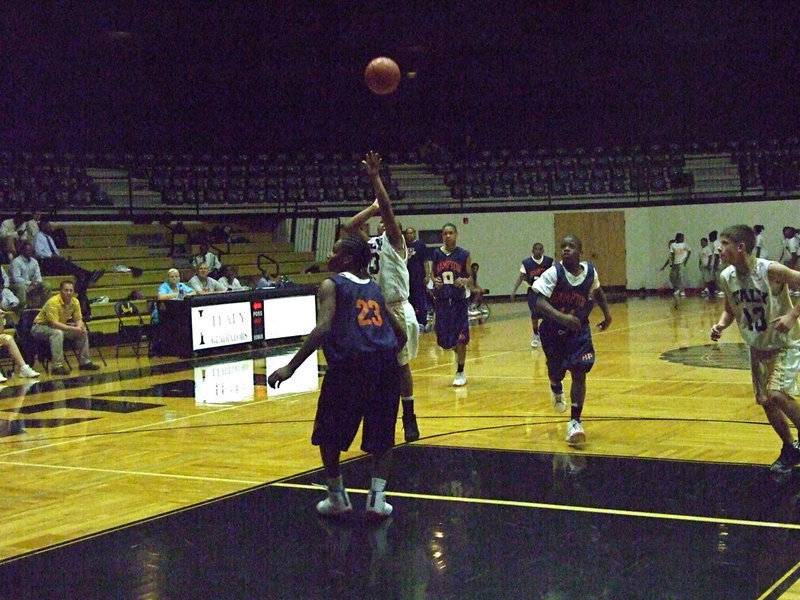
[378,485]
[335,484]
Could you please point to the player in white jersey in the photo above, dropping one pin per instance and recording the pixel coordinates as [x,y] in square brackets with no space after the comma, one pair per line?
[757,298]
[679,253]
[388,267]
[761,251]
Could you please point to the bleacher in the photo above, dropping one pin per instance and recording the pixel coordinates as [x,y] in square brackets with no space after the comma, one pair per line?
[114,246]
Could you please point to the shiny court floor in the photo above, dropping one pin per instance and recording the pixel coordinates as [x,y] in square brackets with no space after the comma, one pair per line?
[469,524]
[470,521]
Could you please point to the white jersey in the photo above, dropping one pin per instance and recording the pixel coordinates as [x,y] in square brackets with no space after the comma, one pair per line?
[755,302]
[706,257]
[760,246]
[679,252]
[790,246]
[389,269]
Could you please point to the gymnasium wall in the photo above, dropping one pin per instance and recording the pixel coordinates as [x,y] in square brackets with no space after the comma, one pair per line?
[499,241]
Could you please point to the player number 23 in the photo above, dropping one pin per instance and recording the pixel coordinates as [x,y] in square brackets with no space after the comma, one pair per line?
[364,317]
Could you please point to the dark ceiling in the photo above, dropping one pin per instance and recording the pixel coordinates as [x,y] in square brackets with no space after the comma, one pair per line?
[202,76]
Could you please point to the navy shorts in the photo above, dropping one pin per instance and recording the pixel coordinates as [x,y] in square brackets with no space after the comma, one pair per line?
[452,323]
[367,389]
[567,351]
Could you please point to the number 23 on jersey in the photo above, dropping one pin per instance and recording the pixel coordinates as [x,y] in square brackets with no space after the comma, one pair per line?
[369,313]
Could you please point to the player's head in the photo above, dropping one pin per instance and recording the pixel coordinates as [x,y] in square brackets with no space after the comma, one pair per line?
[449,235]
[712,235]
[410,234]
[537,250]
[679,238]
[758,228]
[703,241]
[736,239]
[571,248]
[789,232]
[350,253]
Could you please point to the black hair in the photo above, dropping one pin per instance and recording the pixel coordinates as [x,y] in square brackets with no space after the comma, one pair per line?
[358,249]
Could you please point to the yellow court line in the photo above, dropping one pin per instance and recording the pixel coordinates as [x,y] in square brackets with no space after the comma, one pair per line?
[775,585]
[139,473]
[581,509]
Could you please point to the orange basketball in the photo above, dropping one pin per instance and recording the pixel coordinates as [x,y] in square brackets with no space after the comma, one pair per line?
[382,75]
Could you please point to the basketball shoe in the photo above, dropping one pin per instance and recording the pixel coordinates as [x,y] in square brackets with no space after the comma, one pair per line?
[575,432]
[788,458]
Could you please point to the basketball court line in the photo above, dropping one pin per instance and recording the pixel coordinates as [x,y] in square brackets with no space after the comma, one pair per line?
[562,507]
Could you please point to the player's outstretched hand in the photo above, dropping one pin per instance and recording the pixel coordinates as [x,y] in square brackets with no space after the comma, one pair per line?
[716,332]
[372,163]
[278,375]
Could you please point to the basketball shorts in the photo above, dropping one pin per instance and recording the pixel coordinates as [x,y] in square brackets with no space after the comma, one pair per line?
[452,323]
[567,351]
[774,370]
[368,389]
[404,313]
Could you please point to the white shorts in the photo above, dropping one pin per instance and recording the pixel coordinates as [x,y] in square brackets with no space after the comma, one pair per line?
[404,312]
[774,370]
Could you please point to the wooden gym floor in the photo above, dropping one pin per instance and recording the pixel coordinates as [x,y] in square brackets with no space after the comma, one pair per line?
[191,479]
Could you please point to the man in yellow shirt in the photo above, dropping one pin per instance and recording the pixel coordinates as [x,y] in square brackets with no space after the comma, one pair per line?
[61,318]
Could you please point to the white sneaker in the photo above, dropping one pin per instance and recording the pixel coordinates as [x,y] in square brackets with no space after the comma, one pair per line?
[3,378]
[26,371]
[535,341]
[377,506]
[683,294]
[720,294]
[337,503]
[460,379]
[575,432]
[704,293]
[559,401]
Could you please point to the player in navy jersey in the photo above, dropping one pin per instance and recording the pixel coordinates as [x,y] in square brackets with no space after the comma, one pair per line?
[452,282]
[530,270]
[564,296]
[360,339]
[419,273]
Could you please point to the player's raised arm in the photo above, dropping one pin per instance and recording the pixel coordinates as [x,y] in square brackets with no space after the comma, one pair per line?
[372,165]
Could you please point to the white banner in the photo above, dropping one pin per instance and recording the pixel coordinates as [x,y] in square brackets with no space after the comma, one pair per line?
[221,325]
[289,316]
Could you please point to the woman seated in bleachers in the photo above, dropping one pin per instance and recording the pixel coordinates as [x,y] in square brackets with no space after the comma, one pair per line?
[203,284]
[173,288]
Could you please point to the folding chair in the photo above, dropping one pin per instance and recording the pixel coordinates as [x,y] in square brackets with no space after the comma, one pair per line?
[133,333]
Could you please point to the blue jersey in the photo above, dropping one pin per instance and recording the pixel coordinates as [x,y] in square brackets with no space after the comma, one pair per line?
[361,324]
[450,267]
[572,299]
[417,255]
[534,270]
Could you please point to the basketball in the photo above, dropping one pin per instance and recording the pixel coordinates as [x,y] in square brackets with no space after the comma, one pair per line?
[382,75]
